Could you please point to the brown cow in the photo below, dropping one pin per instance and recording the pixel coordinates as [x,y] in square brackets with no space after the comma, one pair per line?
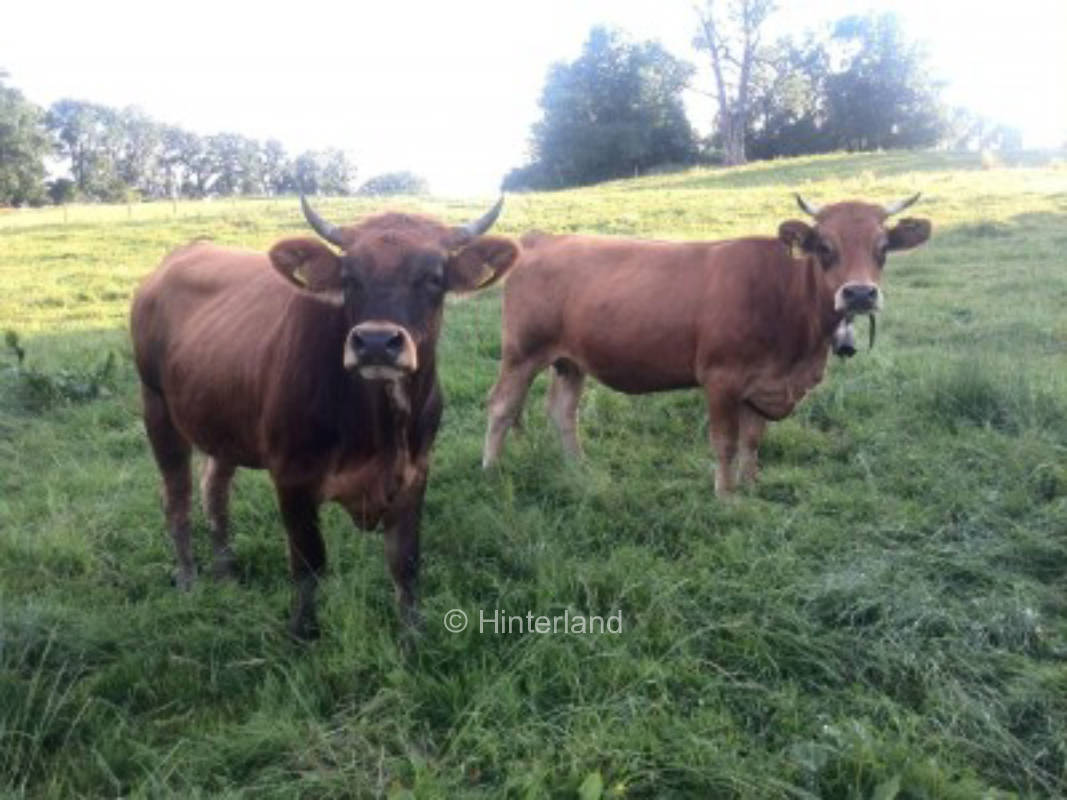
[751,320]
[320,370]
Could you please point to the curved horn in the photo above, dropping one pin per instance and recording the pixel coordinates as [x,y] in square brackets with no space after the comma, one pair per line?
[807,207]
[900,205]
[485,222]
[331,233]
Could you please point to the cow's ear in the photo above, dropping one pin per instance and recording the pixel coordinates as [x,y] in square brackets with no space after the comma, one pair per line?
[909,232]
[308,263]
[480,264]
[796,235]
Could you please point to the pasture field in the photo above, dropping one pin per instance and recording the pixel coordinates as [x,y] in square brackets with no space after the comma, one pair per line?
[883,616]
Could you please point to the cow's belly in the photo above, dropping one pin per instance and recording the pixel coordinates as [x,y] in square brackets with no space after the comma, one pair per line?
[641,381]
[214,429]
[633,365]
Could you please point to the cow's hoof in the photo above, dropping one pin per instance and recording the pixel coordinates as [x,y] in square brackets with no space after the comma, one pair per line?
[183,579]
[224,569]
[304,629]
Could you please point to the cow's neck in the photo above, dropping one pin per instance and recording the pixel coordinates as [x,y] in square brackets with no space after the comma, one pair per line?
[386,413]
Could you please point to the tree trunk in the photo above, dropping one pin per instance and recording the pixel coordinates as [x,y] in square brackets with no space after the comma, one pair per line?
[733,142]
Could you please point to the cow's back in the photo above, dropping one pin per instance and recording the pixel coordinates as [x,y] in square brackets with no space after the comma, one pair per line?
[638,314]
[206,329]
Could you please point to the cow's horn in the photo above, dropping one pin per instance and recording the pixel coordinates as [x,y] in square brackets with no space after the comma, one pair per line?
[485,222]
[900,205]
[331,233]
[807,207]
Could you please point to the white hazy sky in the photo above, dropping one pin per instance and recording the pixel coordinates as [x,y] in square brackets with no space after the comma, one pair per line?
[449,89]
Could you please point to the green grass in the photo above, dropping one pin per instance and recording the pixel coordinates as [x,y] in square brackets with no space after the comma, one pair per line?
[885,615]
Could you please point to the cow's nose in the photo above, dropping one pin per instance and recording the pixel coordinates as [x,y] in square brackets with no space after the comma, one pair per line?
[378,345]
[860,296]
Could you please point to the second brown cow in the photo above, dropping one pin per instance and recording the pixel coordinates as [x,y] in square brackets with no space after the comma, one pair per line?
[750,320]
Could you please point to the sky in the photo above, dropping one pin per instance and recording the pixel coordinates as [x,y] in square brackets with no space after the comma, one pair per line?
[449,90]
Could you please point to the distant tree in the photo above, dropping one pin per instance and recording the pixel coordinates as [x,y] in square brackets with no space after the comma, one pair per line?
[731,34]
[61,190]
[613,112]
[237,162]
[336,173]
[277,176]
[85,135]
[787,111]
[307,172]
[882,96]
[394,183]
[172,146]
[24,143]
[138,159]
[120,155]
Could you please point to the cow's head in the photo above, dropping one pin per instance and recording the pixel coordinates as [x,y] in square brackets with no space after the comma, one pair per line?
[850,242]
[391,278]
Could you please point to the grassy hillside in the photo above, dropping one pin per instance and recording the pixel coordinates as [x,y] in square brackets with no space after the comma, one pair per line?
[885,615]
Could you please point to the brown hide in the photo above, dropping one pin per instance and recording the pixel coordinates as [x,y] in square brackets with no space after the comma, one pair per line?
[317,367]
[749,319]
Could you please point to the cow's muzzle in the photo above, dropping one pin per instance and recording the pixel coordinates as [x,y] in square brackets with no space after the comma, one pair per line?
[858,298]
[380,351]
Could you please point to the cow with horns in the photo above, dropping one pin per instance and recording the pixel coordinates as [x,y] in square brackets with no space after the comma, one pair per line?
[750,320]
[316,366]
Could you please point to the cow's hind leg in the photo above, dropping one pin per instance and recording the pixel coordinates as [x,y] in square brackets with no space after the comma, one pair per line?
[307,557]
[753,425]
[562,402]
[505,403]
[215,493]
[172,452]
[724,412]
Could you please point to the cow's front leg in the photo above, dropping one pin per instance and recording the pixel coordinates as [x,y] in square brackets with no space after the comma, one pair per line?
[724,422]
[307,557]
[753,425]
[402,549]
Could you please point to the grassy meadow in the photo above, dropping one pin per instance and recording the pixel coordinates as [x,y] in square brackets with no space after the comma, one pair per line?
[883,616]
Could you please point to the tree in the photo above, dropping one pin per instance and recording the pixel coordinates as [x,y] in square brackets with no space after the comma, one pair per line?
[732,40]
[882,97]
[306,172]
[61,191]
[613,112]
[138,162]
[197,164]
[24,144]
[238,164]
[82,130]
[394,183]
[276,173]
[337,173]
[787,112]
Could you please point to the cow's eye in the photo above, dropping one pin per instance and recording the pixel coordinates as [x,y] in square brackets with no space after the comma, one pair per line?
[825,253]
[432,284]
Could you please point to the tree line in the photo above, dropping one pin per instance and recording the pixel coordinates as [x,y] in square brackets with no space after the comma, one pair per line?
[859,84]
[115,155]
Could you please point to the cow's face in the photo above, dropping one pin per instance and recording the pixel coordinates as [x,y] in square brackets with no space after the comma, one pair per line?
[391,280]
[850,242]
